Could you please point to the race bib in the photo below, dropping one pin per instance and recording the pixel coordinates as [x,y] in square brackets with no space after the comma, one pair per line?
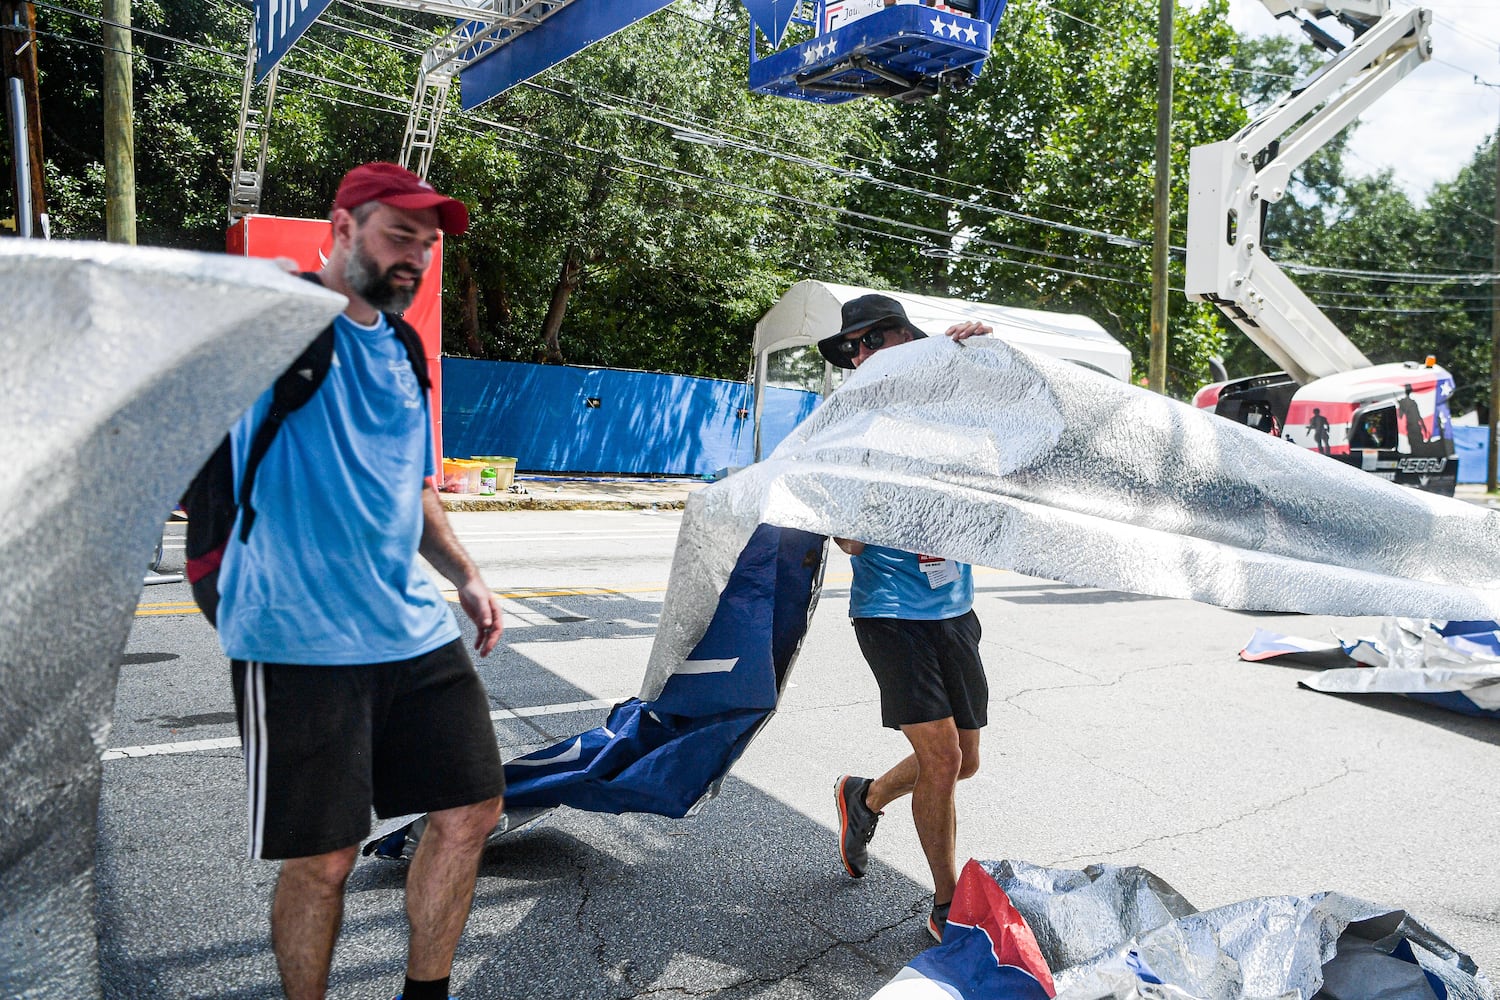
[939,571]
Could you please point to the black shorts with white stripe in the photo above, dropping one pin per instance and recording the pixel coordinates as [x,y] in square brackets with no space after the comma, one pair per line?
[325,744]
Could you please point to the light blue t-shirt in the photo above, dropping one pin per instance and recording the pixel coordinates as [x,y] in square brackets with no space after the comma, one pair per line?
[330,574]
[889,583]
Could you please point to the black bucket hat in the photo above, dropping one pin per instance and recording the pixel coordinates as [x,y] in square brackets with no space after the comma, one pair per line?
[859,314]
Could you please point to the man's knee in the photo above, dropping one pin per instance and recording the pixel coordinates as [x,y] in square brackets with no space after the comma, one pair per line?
[465,824]
[941,762]
[968,741]
[325,872]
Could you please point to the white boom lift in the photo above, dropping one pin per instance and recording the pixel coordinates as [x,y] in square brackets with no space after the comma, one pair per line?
[1231,182]
[1392,419]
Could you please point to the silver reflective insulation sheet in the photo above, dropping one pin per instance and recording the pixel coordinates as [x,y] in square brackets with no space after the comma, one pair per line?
[1099,926]
[980,452]
[124,368]
[1409,656]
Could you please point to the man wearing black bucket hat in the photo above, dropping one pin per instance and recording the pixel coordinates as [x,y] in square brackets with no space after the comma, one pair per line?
[874,322]
[913,616]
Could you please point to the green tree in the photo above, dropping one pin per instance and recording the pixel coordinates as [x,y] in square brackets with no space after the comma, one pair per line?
[1048,166]
[657,208]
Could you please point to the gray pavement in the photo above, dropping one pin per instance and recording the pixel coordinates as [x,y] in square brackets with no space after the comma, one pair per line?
[1122,730]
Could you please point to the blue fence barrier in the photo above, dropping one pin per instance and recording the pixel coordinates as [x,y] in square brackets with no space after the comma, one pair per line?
[1471,445]
[560,418]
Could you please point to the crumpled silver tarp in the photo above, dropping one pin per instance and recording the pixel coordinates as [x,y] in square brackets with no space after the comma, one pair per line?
[1100,928]
[979,452]
[124,367]
[1452,664]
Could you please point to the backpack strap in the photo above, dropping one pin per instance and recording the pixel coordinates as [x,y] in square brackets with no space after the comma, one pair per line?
[415,352]
[290,392]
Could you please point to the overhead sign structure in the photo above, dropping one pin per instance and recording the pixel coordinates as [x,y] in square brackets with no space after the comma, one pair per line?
[568,31]
[278,25]
[771,17]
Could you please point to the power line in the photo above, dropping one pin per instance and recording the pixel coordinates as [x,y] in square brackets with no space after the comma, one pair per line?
[926,231]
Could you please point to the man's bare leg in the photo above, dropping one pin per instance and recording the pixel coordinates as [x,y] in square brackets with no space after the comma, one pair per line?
[942,756]
[306,912]
[440,885]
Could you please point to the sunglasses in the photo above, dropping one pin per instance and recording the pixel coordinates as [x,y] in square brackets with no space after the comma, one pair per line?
[873,339]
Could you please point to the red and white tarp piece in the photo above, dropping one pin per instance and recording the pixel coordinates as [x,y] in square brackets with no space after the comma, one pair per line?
[1025,932]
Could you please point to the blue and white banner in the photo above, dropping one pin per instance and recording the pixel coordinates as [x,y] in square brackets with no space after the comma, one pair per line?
[1019,931]
[665,755]
[568,31]
[278,25]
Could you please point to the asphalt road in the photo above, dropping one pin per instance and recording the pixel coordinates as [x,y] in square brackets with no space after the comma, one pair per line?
[1123,730]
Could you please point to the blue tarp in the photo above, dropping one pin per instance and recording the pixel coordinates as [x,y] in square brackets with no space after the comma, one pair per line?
[664,755]
[562,418]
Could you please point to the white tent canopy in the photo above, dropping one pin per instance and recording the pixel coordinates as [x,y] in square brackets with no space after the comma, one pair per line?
[810,311]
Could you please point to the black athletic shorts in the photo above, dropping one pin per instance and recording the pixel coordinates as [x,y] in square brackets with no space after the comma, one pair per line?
[325,744]
[927,670]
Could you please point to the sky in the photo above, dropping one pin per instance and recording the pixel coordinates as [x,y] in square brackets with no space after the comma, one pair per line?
[1428,125]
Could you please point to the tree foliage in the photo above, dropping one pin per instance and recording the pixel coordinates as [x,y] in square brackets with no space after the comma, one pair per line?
[1048,166]
[636,207]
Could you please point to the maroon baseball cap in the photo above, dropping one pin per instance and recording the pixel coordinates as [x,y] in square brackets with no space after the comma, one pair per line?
[398,187]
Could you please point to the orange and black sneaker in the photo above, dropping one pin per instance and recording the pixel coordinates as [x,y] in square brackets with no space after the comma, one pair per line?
[856,823]
[937,920]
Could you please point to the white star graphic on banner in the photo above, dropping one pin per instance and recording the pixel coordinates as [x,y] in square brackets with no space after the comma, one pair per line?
[937,25]
[971,36]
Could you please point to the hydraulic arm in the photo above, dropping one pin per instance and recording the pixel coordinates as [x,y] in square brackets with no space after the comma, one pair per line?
[1232,182]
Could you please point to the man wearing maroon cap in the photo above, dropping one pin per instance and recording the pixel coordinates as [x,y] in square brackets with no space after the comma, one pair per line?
[352,684]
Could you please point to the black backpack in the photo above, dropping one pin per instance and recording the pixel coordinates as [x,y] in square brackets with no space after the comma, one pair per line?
[210,500]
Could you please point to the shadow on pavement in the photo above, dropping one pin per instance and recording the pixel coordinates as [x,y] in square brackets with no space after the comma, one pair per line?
[746,899]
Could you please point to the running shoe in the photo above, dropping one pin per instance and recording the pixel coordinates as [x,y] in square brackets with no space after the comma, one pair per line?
[856,823]
[937,921]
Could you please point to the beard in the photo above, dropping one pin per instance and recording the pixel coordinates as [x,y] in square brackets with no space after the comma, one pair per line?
[374,285]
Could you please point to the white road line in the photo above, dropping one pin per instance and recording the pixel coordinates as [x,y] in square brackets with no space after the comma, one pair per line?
[156,749]
[561,536]
[231,742]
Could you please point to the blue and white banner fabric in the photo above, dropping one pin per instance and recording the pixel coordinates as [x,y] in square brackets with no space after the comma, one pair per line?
[668,754]
[1019,931]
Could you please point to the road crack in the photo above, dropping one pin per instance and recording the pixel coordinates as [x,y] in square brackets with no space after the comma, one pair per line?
[1345,772]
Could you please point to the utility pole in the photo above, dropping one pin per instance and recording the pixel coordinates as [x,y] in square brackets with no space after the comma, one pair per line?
[1494,452]
[119,125]
[1162,214]
[1489,479]
[24,111]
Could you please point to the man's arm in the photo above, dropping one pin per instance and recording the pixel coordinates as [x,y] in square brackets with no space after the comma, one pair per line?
[850,546]
[440,547]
